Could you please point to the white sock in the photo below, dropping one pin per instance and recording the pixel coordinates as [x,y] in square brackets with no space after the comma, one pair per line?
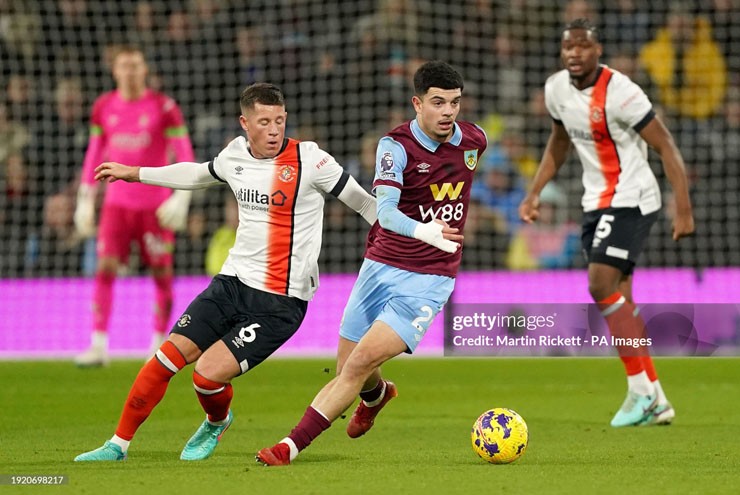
[158,339]
[99,340]
[640,383]
[293,449]
[379,399]
[662,399]
[218,423]
[120,442]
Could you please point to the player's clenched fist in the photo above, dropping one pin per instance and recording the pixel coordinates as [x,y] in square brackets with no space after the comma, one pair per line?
[440,235]
[529,209]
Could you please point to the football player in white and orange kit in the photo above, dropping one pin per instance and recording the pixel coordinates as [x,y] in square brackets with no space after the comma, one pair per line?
[610,122]
[259,299]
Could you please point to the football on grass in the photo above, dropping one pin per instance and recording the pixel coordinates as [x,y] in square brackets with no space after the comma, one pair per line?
[500,436]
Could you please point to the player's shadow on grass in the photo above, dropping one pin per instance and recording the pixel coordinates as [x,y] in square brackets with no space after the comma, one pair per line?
[325,458]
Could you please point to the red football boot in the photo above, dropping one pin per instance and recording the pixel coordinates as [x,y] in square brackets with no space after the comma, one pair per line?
[279,455]
[364,417]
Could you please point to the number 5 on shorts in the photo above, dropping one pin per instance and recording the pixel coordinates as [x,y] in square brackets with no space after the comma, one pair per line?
[603,229]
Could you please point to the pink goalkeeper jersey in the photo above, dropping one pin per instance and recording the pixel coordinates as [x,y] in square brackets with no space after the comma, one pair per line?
[136,132]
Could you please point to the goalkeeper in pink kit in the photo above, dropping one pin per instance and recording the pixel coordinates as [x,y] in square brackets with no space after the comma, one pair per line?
[132,124]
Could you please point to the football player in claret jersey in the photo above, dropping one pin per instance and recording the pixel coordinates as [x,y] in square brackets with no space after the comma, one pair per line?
[259,299]
[132,124]
[610,121]
[423,177]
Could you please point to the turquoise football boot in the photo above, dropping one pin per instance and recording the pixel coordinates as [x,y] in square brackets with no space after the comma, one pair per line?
[663,414]
[203,443]
[635,409]
[108,452]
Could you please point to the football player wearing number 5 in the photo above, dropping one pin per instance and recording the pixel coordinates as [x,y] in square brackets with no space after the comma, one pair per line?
[259,299]
[424,172]
[610,121]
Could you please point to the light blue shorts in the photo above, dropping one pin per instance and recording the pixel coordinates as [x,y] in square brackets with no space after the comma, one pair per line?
[406,301]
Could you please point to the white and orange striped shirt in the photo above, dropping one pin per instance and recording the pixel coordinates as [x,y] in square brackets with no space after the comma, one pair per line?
[603,122]
[281,209]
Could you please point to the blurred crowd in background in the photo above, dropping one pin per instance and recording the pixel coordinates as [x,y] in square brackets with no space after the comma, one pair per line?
[345,67]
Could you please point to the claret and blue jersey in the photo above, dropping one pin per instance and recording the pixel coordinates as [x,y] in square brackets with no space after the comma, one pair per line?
[435,180]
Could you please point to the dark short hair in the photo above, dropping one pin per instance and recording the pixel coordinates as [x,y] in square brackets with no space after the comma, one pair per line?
[585,24]
[263,93]
[436,74]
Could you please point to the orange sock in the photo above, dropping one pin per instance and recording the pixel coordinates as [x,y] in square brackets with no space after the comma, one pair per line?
[647,364]
[622,323]
[214,397]
[149,388]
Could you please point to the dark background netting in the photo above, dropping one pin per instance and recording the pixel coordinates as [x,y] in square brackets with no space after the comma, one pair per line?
[345,67]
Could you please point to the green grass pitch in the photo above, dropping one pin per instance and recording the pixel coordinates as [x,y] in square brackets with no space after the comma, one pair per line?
[52,411]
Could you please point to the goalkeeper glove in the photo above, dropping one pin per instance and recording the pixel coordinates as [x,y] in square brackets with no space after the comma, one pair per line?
[431,233]
[84,217]
[173,213]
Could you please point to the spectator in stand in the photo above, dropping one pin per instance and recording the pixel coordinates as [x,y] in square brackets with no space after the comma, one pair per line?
[56,248]
[686,65]
[22,101]
[144,30]
[62,138]
[13,135]
[18,212]
[628,26]
[500,187]
[551,242]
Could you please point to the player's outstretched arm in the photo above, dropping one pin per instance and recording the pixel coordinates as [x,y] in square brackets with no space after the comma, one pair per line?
[185,175]
[657,136]
[553,158]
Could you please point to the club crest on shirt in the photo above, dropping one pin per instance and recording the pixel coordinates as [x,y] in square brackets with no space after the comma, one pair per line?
[596,115]
[184,321]
[471,159]
[287,173]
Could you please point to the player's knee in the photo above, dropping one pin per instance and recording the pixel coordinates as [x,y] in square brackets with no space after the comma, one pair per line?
[186,347]
[218,369]
[162,273]
[107,265]
[601,289]
[206,385]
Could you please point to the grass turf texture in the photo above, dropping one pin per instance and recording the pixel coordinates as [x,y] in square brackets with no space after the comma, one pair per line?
[52,411]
